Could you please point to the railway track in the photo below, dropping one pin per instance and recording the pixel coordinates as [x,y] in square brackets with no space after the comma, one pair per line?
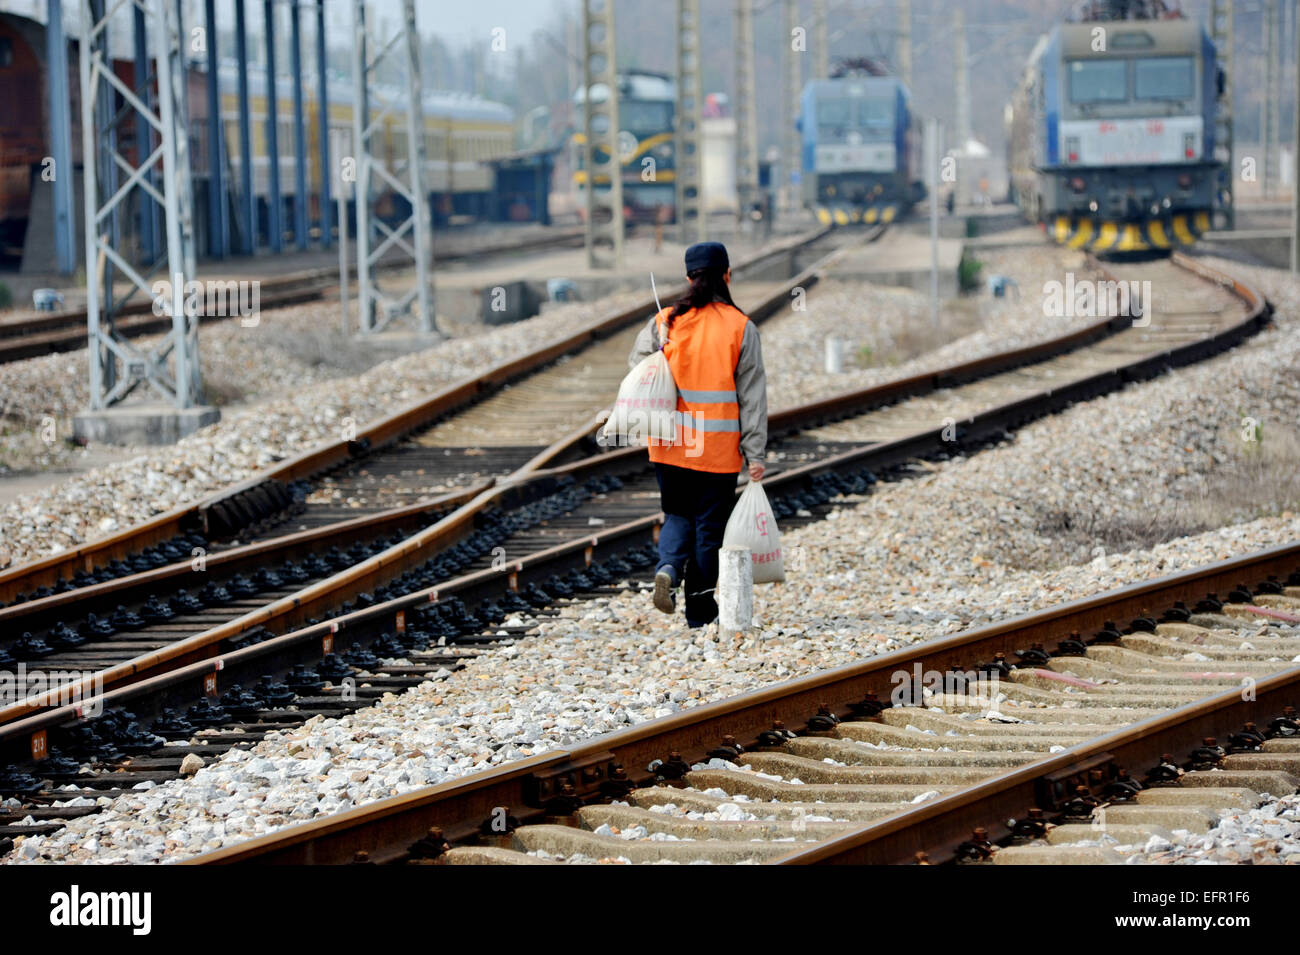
[352,511]
[358,473]
[1006,744]
[547,516]
[349,514]
[66,330]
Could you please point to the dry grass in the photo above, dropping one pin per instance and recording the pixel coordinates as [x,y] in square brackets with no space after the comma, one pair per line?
[1260,478]
[957,318]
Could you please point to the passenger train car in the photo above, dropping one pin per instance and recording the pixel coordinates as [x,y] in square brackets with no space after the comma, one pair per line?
[1113,147]
[461,133]
[861,148]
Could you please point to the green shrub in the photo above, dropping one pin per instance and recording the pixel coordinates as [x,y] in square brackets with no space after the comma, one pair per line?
[968,273]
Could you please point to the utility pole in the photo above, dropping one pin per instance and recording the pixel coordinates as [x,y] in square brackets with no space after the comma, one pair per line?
[1295,165]
[793,87]
[746,120]
[1271,92]
[1221,27]
[600,128]
[821,44]
[932,164]
[60,103]
[691,214]
[962,76]
[905,42]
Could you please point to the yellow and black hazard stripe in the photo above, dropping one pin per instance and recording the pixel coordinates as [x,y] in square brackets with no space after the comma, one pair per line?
[865,215]
[1104,235]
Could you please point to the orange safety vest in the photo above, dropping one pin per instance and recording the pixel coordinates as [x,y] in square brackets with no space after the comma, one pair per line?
[702,351]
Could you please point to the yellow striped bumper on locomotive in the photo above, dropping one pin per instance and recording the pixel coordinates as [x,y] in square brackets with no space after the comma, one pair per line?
[1097,235]
[845,215]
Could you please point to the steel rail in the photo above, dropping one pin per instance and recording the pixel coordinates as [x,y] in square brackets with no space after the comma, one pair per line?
[387,828]
[65,331]
[211,511]
[938,827]
[318,597]
[379,569]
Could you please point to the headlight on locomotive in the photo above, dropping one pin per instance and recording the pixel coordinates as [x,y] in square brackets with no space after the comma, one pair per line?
[1078,184]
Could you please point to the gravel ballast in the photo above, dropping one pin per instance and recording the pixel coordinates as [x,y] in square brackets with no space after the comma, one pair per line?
[969,542]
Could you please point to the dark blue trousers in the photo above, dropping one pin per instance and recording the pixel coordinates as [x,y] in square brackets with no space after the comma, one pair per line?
[696,505]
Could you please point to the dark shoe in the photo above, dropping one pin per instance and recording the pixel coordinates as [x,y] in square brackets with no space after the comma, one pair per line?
[666,589]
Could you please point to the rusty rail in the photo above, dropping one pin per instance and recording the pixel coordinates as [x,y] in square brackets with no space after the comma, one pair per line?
[386,829]
[289,612]
[196,516]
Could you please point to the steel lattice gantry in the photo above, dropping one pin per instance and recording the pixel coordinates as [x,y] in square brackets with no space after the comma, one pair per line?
[600,128]
[691,214]
[746,119]
[161,176]
[412,235]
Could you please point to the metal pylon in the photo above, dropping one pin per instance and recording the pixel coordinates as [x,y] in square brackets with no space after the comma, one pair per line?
[691,215]
[746,120]
[600,128]
[405,178]
[117,367]
[1221,28]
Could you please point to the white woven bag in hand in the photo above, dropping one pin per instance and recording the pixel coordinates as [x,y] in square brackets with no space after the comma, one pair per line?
[752,525]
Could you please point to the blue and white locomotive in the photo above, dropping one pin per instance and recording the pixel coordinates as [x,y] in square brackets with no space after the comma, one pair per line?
[861,148]
[1110,134]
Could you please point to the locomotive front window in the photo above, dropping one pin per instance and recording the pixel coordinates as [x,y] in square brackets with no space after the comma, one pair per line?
[834,115]
[876,112]
[645,116]
[1098,81]
[1165,77]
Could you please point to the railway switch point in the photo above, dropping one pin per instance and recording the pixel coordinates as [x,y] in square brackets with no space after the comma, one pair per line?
[153,423]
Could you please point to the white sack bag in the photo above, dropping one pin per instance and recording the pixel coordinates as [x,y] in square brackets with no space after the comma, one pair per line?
[646,409]
[752,525]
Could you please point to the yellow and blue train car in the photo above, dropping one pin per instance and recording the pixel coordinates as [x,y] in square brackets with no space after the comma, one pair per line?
[462,135]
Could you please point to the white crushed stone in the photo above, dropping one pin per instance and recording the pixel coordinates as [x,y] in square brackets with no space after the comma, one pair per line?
[301,415]
[891,337]
[1265,835]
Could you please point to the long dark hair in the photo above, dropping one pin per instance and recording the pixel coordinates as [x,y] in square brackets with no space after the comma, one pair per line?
[707,285]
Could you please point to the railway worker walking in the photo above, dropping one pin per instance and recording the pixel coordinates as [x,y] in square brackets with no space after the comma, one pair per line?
[717,362]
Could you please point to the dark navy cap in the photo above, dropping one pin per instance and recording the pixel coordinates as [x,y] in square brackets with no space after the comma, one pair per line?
[707,255]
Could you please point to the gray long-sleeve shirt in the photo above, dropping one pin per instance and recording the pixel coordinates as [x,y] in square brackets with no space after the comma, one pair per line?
[751,386]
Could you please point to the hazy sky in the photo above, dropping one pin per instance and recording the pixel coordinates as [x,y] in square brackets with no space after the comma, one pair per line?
[459,20]
[455,21]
